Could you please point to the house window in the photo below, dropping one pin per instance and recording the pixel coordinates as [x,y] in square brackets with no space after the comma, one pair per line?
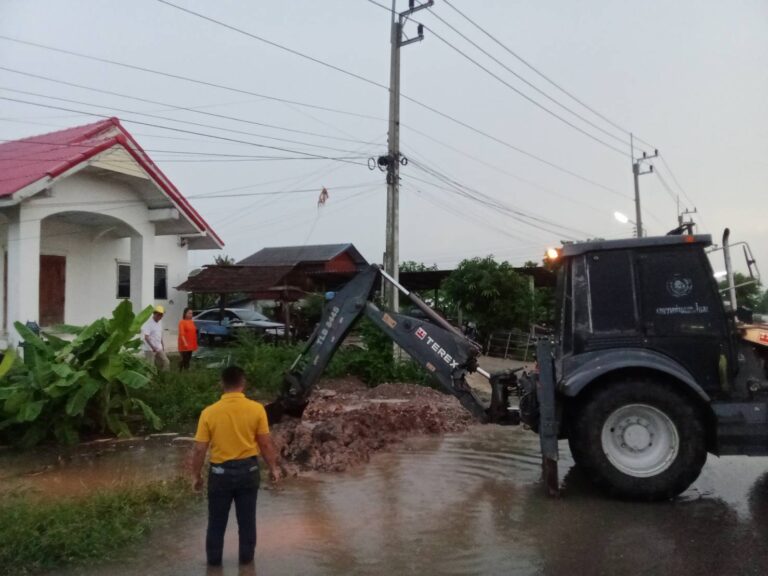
[161,283]
[123,280]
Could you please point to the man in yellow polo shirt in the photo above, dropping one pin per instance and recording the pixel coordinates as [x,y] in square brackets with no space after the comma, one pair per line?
[236,431]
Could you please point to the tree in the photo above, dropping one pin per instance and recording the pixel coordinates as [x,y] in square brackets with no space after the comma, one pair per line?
[413,266]
[763,306]
[492,293]
[223,260]
[750,295]
[435,300]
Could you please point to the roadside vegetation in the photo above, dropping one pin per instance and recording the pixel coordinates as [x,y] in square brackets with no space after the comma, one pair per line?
[64,389]
[94,384]
[44,534]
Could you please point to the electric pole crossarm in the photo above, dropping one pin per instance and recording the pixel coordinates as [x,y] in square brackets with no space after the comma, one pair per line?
[412,8]
[418,38]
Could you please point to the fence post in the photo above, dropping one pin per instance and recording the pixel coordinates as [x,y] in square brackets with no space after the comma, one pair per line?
[506,348]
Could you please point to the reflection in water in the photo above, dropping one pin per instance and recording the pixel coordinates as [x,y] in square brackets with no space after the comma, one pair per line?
[52,474]
[472,504]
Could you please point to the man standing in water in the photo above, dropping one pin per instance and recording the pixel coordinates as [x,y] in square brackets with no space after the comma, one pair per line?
[236,431]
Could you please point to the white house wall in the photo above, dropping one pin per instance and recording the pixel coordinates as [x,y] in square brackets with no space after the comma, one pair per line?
[91,274]
[92,250]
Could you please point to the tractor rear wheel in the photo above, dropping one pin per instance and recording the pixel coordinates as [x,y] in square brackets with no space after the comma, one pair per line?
[639,439]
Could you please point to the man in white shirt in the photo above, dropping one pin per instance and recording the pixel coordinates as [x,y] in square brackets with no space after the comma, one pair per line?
[152,340]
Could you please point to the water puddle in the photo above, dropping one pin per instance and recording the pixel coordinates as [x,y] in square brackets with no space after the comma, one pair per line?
[50,474]
[466,504]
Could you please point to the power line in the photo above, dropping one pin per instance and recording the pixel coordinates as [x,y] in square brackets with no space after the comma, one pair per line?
[358,76]
[291,223]
[463,214]
[224,138]
[511,87]
[494,204]
[189,122]
[187,79]
[675,180]
[675,197]
[283,100]
[490,200]
[242,91]
[276,45]
[378,84]
[294,182]
[213,196]
[177,107]
[523,94]
[542,75]
[534,185]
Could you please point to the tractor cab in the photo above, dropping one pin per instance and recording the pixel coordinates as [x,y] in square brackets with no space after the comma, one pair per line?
[648,368]
[654,301]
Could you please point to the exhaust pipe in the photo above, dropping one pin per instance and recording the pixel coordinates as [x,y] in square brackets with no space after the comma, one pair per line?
[729,269]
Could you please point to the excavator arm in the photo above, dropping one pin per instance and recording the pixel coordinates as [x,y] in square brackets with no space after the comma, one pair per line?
[433,343]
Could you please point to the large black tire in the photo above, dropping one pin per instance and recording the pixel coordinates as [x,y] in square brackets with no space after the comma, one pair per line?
[602,452]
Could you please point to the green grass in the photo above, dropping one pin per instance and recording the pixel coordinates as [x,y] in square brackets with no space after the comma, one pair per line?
[39,534]
[178,397]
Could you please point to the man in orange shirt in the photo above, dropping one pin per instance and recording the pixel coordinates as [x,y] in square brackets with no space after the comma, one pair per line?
[236,431]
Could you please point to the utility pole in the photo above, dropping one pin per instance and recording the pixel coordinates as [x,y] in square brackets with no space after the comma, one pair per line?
[393,160]
[636,173]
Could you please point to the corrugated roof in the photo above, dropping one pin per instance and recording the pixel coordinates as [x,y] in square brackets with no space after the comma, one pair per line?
[292,255]
[25,161]
[46,156]
[228,279]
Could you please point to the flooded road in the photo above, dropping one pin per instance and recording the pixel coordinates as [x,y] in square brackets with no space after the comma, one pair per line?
[471,504]
[98,465]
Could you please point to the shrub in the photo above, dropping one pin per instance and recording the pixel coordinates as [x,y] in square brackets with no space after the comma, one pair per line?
[65,388]
[179,397]
[375,363]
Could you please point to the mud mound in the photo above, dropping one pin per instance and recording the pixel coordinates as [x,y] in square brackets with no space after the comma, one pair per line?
[347,385]
[345,423]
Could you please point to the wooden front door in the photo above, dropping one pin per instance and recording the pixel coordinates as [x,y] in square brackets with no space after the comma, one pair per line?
[52,287]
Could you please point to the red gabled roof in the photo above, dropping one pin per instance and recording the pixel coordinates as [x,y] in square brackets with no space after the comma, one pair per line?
[26,161]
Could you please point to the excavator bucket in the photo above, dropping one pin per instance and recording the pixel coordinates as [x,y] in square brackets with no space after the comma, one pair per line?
[287,404]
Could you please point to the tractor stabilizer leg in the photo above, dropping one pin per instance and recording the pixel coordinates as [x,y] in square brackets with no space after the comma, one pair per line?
[548,428]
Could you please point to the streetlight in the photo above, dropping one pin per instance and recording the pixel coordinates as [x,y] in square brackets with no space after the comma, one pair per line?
[624,219]
[621,217]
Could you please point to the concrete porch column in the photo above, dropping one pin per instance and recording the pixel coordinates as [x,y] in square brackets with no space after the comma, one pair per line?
[143,270]
[23,273]
[2,291]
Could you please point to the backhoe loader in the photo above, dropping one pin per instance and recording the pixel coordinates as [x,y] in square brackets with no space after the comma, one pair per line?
[647,369]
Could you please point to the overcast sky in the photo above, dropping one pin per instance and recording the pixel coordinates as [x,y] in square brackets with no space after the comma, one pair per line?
[689,77]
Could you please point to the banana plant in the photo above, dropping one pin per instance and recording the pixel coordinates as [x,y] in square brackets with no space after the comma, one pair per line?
[64,388]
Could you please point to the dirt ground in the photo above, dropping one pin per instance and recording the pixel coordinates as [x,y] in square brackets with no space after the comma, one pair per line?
[345,422]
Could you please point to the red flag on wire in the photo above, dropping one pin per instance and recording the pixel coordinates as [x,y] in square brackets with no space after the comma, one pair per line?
[321,200]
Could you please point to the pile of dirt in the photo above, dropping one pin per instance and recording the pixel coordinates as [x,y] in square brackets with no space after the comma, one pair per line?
[345,422]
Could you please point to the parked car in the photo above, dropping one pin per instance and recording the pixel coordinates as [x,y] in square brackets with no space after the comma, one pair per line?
[212,325]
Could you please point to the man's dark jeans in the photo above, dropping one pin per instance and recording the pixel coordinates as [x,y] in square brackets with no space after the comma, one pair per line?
[238,482]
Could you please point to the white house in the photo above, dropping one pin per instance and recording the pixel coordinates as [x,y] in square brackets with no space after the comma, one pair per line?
[87,219]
